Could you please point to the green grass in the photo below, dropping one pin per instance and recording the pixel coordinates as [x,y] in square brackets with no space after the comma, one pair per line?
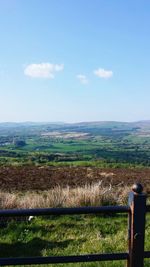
[68,235]
[65,235]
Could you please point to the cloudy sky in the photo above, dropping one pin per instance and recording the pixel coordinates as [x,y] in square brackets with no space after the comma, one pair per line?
[74,60]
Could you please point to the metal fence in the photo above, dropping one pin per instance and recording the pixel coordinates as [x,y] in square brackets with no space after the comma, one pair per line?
[135,255]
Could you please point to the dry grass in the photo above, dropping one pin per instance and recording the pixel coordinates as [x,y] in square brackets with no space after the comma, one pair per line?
[88,195]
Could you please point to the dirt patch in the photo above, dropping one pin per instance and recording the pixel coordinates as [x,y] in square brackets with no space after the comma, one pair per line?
[44,178]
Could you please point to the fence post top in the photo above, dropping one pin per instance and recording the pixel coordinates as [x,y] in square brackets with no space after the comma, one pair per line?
[137,188]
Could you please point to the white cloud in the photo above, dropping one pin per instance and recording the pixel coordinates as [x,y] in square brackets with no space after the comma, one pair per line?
[43,70]
[105,74]
[82,78]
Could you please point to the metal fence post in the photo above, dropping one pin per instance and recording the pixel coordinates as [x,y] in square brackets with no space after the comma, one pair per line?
[137,203]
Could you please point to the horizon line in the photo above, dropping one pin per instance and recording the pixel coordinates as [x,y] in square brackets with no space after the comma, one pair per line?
[76,122]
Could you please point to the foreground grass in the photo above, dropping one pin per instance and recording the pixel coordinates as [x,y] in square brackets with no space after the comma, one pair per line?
[68,235]
[65,235]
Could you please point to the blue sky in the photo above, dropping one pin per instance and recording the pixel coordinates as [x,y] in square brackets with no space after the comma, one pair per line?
[74,60]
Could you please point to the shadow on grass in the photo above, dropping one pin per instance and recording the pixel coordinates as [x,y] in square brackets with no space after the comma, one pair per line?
[31,248]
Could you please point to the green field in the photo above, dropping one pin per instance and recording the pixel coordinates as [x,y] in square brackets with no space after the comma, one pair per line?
[82,144]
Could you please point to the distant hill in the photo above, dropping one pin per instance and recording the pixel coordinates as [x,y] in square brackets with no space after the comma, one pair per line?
[93,127]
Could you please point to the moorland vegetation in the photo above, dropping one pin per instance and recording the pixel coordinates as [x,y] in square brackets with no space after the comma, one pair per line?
[67,165]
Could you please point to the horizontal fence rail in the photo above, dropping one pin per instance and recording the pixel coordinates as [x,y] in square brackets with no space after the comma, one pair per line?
[64,211]
[63,259]
[136,211]
[146,254]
